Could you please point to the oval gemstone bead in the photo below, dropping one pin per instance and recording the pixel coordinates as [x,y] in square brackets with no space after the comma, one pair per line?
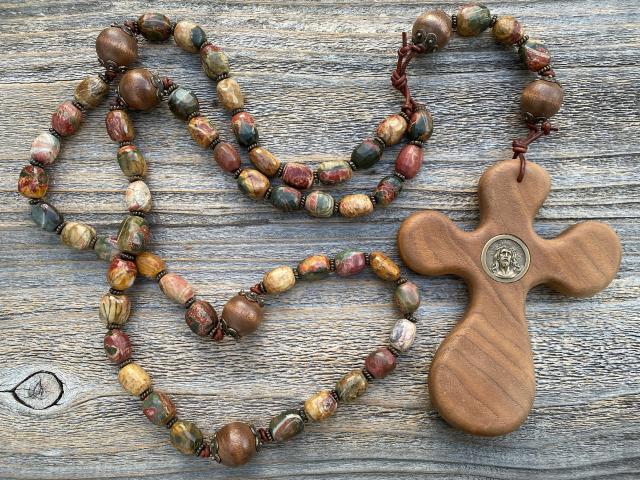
[253,184]
[420,125]
[158,408]
[134,379]
[334,172]
[407,297]
[355,205]
[314,267]
[117,345]
[106,247]
[473,19]
[387,190]
[384,267]
[349,262]
[138,197]
[134,235]
[226,156]
[436,22]
[380,362]
[176,288]
[131,161]
[265,161]
[183,102]
[119,126]
[236,443]
[507,30]
[297,175]
[392,129]
[114,309]
[185,436]
[45,148]
[77,235]
[534,54]
[403,335]
[351,386]
[286,425]
[155,27]
[66,119]
[114,45]
[242,315]
[33,182]
[91,91]
[149,264]
[409,161]
[319,204]
[320,406]
[140,89]
[367,154]
[244,128]
[214,61]
[230,95]
[202,131]
[542,99]
[286,198]
[279,280]
[201,318]
[189,36]
[46,216]
[121,273]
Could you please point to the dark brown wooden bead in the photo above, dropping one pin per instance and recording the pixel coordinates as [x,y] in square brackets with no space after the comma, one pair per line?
[243,315]
[236,444]
[115,45]
[542,99]
[139,88]
[436,22]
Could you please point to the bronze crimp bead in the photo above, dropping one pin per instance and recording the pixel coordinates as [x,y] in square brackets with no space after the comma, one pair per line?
[257,437]
[280,170]
[393,350]
[522,40]
[170,423]
[411,318]
[127,256]
[401,280]
[60,227]
[55,133]
[199,450]
[236,173]
[399,175]
[352,165]
[35,163]
[454,21]
[146,393]
[303,200]
[268,193]
[367,374]
[494,19]
[121,365]
[189,302]
[367,259]
[335,396]
[160,275]
[113,291]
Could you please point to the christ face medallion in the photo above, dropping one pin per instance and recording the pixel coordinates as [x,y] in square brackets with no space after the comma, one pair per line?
[505,258]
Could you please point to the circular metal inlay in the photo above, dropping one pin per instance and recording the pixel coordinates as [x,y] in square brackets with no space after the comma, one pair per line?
[505,258]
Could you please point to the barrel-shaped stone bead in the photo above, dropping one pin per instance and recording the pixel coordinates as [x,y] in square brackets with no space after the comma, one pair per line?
[472,19]
[298,175]
[91,91]
[114,309]
[46,216]
[334,172]
[286,425]
[507,30]
[367,154]
[420,125]
[33,182]
[380,362]
[189,36]
[230,94]
[387,190]
[314,267]
[534,54]
[407,297]
[119,126]
[183,102]
[134,235]
[77,235]
[265,161]
[214,61]
[320,406]
[349,262]
[286,198]
[279,280]
[244,128]
[149,264]
[355,205]
[392,129]
[106,247]
[185,436]
[203,132]
[66,119]
[227,157]
[121,273]
[242,315]
[117,345]
[319,204]
[158,408]
[236,443]
[351,386]
[155,27]
[402,335]
[45,148]
[134,379]
[253,184]
[542,99]
[138,197]
[115,46]
[201,318]
[176,288]
[131,161]
[409,160]
[384,267]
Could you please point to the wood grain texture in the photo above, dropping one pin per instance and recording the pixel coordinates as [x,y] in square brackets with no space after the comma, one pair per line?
[317,79]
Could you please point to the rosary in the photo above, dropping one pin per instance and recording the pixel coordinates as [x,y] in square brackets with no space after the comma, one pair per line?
[482,378]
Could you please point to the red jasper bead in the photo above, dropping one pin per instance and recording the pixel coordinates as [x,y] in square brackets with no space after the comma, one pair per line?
[409,160]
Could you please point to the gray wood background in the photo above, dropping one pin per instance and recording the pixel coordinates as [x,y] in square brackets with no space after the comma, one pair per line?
[317,79]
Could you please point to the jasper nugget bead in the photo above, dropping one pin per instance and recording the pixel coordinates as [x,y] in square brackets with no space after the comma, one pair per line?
[155,27]
[320,406]
[158,408]
[265,161]
[33,182]
[138,197]
[319,204]
[297,175]
[114,45]
[351,386]
[314,267]
[392,129]
[134,379]
[236,443]
[134,235]
[131,161]
[176,288]
[121,273]
[472,19]
[189,36]
[242,315]
[117,346]
[227,157]
[185,436]
[384,267]
[355,205]
[149,264]
[407,297]
[45,148]
[420,125]
[77,235]
[202,131]
[119,126]
[183,102]
[403,335]
[114,309]
[534,54]
[106,247]
[214,61]
[201,318]
[286,425]
[366,154]
[542,99]
[46,216]
[253,184]
[409,160]
[349,262]
[140,89]
[66,119]
[230,95]
[91,91]
[380,362]
[279,280]
[507,30]
[387,190]
[334,172]
[244,128]
[286,198]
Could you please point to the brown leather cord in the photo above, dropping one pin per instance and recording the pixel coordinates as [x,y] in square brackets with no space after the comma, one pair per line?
[520,145]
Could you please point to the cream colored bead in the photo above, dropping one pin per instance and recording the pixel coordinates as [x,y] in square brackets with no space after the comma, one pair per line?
[134,379]
[279,280]
[114,309]
[138,197]
[176,288]
[229,94]
[77,235]
[392,129]
[355,205]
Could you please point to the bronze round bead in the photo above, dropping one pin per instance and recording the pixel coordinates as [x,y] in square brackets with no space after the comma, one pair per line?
[242,314]
[115,45]
[542,99]
[236,444]
[436,22]
[140,89]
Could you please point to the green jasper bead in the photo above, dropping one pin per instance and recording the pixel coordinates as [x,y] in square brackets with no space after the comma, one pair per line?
[185,436]
[46,216]
[387,190]
[214,61]
[155,27]
[472,19]
[420,125]
[319,204]
[367,154]
[244,128]
[314,267]
[134,234]
[131,161]
[334,172]
[183,102]
[285,198]
[106,247]
[286,425]
[158,408]
[351,386]
[407,297]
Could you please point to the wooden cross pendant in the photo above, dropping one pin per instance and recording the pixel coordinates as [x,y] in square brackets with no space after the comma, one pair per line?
[482,377]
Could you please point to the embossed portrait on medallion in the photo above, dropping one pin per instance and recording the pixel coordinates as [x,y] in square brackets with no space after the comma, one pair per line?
[505,258]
